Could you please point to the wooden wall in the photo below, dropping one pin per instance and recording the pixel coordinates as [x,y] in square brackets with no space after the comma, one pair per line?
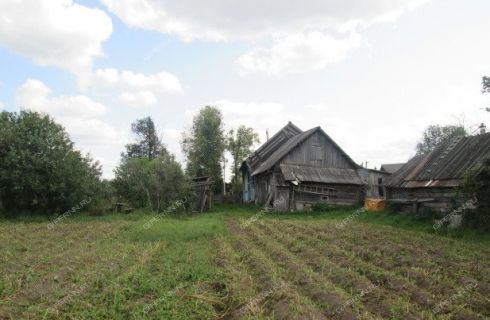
[444,198]
[282,201]
[373,187]
[306,195]
[248,187]
[261,188]
[318,151]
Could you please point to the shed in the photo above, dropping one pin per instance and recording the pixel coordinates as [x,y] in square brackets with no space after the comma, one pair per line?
[204,192]
[432,180]
[375,182]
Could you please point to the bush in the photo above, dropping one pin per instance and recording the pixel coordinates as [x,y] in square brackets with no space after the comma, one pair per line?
[40,171]
[321,207]
[154,184]
[477,184]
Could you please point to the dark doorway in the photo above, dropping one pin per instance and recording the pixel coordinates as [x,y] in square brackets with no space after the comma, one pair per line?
[381,190]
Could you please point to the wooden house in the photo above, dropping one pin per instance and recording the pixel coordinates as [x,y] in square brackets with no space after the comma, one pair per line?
[431,181]
[293,170]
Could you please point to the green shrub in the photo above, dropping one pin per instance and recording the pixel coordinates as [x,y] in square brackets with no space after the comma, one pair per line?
[477,184]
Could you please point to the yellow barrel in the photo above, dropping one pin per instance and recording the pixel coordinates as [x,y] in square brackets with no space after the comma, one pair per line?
[373,204]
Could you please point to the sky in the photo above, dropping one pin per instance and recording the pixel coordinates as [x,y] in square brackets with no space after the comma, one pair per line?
[373,74]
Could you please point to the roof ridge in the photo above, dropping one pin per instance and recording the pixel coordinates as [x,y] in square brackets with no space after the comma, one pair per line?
[285,148]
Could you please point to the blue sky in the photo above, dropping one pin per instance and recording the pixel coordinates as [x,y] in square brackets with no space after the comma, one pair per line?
[373,74]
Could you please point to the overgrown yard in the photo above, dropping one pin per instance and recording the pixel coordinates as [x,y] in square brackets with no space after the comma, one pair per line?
[215,266]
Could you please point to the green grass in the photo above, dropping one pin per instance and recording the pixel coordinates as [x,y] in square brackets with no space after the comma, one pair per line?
[405,221]
[168,268]
[167,271]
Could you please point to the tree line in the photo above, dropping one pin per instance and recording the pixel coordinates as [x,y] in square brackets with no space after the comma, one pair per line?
[41,172]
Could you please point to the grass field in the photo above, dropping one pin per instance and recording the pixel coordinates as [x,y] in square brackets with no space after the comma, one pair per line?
[215,266]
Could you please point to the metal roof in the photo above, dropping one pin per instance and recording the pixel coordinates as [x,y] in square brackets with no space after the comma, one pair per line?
[391,167]
[446,165]
[322,175]
[271,145]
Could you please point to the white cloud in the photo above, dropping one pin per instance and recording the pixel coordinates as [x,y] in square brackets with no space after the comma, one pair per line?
[54,32]
[36,96]
[136,88]
[224,19]
[302,30]
[2,105]
[80,115]
[171,138]
[299,53]
[262,116]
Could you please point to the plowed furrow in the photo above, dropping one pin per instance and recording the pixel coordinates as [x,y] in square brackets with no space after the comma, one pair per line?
[379,300]
[334,301]
[375,268]
[276,301]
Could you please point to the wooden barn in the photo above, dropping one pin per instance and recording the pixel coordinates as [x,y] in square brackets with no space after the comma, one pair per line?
[294,170]
[431,181]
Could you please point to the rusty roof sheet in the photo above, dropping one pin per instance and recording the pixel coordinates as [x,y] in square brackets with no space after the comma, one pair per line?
[321,175]
[446,165]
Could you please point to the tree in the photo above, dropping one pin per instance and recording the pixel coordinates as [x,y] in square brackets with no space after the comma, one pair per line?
[239,143]
[477,184]
[153,184]
[148,176]
[148,144]
[40,171]
[436,134]
[204,145]
[485,84]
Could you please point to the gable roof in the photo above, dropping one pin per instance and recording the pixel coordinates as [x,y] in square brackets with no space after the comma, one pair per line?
[271,145]
[391,167]
[302,173]
[446,165]
[290,144]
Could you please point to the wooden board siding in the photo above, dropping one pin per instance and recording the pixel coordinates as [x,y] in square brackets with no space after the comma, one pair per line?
[444,199]
[318,151]
[303,173]
[281,202]
[374,182]
[248,187]
[261,190]
[306,195]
